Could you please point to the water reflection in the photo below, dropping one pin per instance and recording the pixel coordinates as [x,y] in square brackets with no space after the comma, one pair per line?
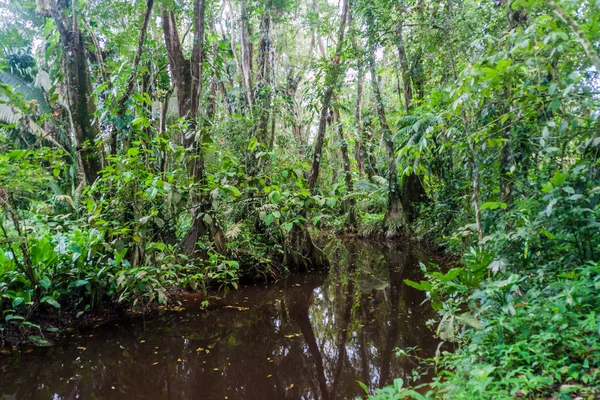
[310,336]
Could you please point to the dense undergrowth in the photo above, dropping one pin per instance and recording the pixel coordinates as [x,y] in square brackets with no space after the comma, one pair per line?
[524,308]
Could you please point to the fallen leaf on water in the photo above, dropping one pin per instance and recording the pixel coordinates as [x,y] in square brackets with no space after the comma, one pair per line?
[238,308]
[179,360]
[293,335]
[268,376]
[215,369]
[154,363]
[82,348]
[271,360]
[113,388]
[199,349]
[289,387]
[142,341]
[297,284]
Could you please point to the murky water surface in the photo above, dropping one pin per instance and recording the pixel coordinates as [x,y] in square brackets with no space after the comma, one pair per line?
[311,336]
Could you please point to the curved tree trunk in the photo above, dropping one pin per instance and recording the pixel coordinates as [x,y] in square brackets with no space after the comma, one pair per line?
[131,80]
[331,81]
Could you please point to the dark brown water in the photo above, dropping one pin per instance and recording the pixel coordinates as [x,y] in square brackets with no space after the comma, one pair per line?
[311,336]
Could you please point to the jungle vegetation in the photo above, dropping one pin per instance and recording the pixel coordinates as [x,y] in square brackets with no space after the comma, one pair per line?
[150,146]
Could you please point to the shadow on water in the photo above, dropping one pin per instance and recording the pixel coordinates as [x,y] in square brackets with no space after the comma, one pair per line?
[310,336]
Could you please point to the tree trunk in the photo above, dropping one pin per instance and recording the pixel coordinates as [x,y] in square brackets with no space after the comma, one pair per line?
[349,202]
[359,150]
[413,191]
[131,80]
[264,75]
[263,95]
[300,253]
[188,82]
[476,184]
[406,83]
[245,47]
[395,217]
[79,88]
[331,80]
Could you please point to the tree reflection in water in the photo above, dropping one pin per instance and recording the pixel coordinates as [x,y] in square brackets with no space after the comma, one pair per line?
[311,336]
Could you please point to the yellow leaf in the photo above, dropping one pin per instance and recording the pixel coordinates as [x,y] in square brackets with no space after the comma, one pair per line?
[293,335]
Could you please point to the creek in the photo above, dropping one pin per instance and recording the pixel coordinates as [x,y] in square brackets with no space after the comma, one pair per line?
[308,336]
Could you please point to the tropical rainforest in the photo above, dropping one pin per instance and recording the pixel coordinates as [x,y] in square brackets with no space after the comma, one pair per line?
[154,147]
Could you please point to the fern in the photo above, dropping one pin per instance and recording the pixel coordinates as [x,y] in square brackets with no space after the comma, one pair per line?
[234,230]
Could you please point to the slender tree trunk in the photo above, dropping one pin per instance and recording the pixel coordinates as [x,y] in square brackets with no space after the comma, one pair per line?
[395,217]
[264,75]
[331,82]
[79,88]
[360,148]
[406,82]
[476,184]
[263,95]
[349,202]
[131,80]
[245,47]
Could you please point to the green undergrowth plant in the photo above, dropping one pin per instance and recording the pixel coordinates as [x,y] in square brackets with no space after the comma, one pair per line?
[523,307]
[371,224]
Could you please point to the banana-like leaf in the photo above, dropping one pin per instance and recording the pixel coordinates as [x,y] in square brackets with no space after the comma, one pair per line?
[29,92]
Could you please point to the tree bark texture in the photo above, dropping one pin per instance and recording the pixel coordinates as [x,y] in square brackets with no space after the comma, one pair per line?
[79,88]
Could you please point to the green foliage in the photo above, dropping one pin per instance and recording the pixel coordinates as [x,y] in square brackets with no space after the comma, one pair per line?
[371,224]
[492,106]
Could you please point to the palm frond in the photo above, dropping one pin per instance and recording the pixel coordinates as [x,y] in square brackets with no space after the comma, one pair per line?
[29,92]
[9,115]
